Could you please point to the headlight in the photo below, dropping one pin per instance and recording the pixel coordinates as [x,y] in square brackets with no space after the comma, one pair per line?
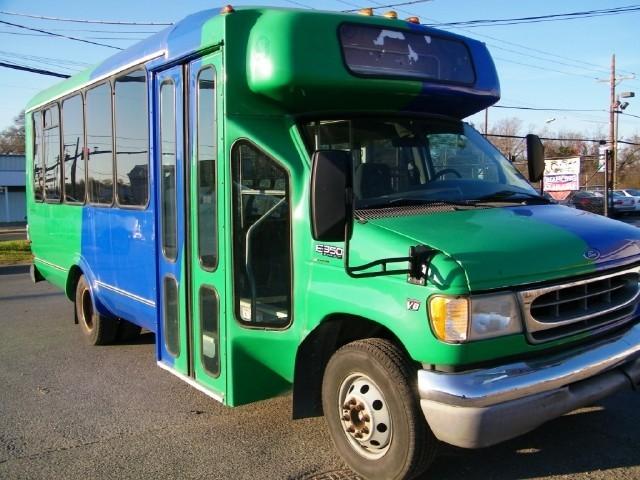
[461,319]
[494,315]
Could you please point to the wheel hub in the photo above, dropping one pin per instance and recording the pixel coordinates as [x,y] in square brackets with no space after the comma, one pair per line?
[365,416]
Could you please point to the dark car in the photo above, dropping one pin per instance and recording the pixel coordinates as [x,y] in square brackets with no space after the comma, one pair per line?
[586,200]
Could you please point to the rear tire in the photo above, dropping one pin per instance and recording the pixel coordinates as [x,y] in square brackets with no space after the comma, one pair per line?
[370,403]
[97,329]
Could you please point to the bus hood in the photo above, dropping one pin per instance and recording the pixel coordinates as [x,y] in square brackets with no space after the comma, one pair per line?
[509,246]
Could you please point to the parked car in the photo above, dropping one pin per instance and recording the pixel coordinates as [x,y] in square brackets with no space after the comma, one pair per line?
[586,200]
[633,193]
[622,204]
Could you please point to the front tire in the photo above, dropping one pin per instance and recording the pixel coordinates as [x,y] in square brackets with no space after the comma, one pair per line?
[370,403]
[97,329]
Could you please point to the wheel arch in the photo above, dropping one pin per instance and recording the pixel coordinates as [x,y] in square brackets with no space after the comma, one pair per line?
[75,272]
[314,353]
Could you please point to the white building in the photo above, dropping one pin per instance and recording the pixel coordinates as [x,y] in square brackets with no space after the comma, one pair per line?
[12,189]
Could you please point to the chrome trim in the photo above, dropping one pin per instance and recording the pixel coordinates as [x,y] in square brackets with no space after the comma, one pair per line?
[486,387]
[215,395]
[138,61]
[527,297]
[53,265]
[125,293]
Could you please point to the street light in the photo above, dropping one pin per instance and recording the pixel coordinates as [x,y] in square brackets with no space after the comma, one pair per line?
[618,107]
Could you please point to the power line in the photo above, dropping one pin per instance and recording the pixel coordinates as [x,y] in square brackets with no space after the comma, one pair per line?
[548,109]
[391,5]
[78,20]
[60,35]
[560,139]
[545,18]
[33,70]
[547,69]
[527,48]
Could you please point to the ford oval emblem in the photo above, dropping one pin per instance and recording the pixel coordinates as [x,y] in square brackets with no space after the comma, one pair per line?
[592,254]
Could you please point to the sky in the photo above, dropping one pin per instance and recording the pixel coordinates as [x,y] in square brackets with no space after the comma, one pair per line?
[559,64]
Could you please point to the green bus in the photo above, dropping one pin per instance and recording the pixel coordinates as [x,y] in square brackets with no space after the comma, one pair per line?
[290,199]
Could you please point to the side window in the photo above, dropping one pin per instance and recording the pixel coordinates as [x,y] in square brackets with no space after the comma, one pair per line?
[38,181]
[73,149]
[206,154]
[99,145]
[132,139]
[168,172]
[261,238]
[51,153]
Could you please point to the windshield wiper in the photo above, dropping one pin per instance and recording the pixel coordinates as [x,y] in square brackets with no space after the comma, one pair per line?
[511,196]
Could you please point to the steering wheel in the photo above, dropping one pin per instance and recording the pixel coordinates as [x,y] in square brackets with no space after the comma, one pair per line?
[446,171]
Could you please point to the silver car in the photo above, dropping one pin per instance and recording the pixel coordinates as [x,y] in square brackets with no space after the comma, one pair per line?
[632,193]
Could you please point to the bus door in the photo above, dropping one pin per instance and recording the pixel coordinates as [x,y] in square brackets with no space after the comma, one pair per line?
[190,223]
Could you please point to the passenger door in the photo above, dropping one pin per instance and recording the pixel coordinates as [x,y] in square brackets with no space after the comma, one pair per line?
[190,203]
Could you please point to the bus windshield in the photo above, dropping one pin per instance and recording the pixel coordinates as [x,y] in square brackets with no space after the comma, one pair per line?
[412,161]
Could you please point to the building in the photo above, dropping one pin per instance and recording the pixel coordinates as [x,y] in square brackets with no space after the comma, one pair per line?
[12,189]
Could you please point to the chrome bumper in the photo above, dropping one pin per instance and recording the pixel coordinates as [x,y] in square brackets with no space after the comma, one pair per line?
[484,407]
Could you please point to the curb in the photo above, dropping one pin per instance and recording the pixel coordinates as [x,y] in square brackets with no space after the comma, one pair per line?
[14,269]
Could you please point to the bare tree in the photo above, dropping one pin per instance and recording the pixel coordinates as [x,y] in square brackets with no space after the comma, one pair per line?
[12,138]
[504,130]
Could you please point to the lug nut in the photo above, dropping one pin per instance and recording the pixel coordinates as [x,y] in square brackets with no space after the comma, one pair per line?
[351,430]
[366,417]
[353,401]
[346,418]
[358,435]
[359,407]
[365,430]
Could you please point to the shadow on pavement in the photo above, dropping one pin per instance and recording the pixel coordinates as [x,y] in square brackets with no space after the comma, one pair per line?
[572,444]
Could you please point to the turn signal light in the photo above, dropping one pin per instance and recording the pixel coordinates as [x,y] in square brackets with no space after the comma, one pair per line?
[227,9]
[391,14]
[366,11]
[449,318]
[413,20]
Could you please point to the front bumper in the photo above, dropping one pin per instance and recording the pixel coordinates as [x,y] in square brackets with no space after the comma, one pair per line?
[483,407]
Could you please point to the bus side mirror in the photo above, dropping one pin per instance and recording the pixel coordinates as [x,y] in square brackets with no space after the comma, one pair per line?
[331,195]
[535,158]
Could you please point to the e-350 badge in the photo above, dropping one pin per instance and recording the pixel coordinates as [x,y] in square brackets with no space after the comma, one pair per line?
[329,251]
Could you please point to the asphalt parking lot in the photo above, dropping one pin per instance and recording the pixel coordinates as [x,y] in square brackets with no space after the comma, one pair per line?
[72,411]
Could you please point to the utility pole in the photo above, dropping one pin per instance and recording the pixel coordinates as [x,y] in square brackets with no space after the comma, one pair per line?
[612,132]
[486,121]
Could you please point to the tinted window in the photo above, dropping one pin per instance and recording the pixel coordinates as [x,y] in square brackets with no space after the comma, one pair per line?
[73,147]
[132,150]
[37,157]
[206,154]
[379,51]
[262,249]
[210,337]
[171,316]
[51,151]
[100,144]
[168,175]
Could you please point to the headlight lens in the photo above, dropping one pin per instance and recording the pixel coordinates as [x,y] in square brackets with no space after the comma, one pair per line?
[461,319]
[494,315]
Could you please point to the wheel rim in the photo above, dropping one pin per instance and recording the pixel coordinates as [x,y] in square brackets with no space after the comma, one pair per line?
[87,309]
[364,416]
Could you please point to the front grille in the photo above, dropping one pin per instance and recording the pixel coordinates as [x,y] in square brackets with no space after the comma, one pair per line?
[596,303]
